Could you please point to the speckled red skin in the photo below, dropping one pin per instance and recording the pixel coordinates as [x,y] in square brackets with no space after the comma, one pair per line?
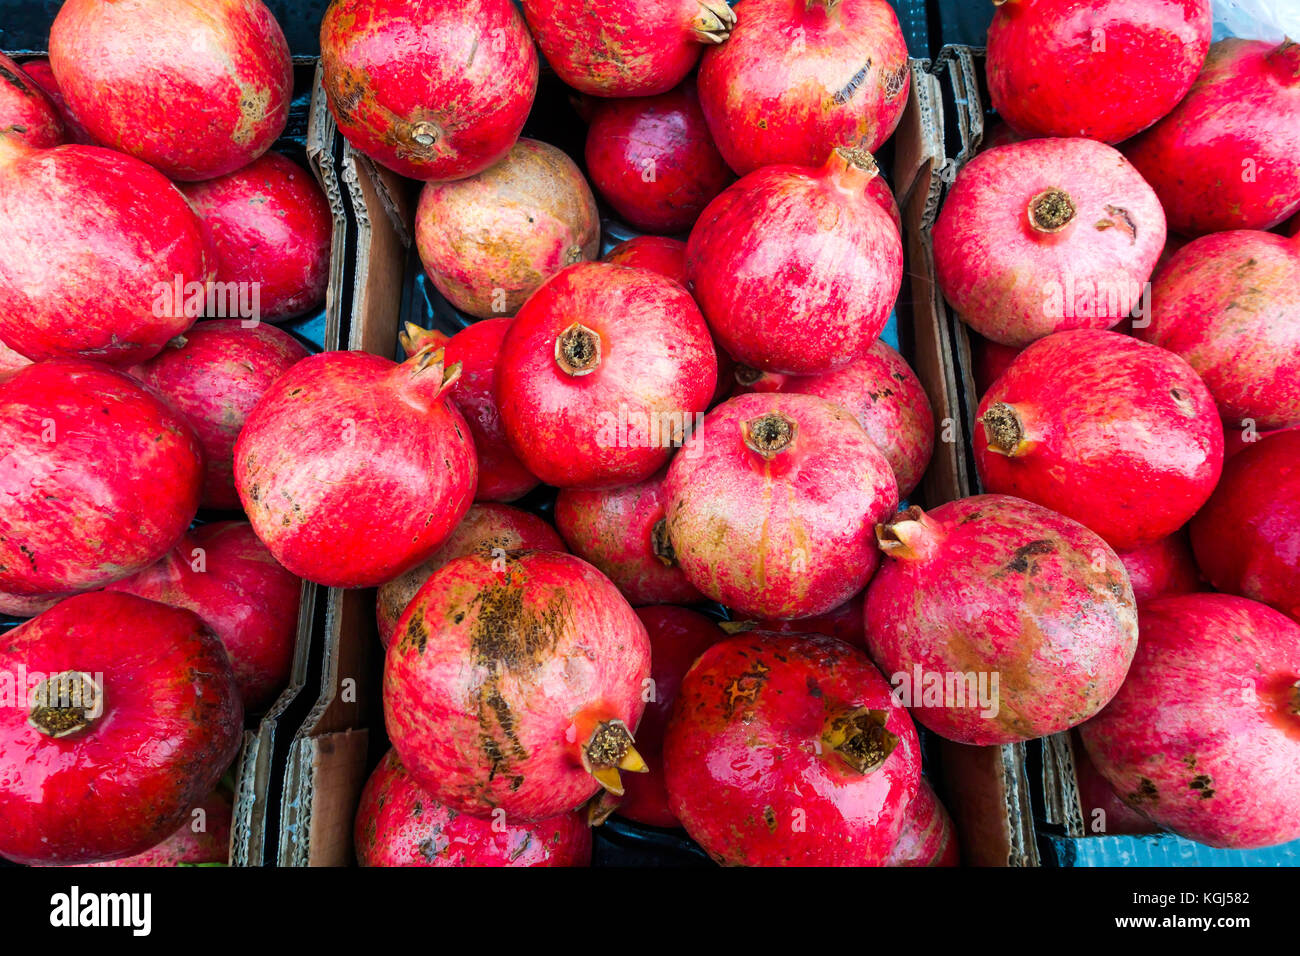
[219,71]
[928,837]
[657,362]
[797,79]
[90,238]
[657,253]
[270,224]
[188,847]
[991,360]
[1243,106]
[496,678]
[98,476]
[1012,283]
[226,576]
[614,529]
[1104,69]
[1162,568]
[42,74]
[171,724]
[1204,736]
[1116,818]
[26,111]
[1110,445]
[354,469]
[748,774]
[485,529]
[395,71]
[787,537]
[654,161]
[214,379]
[795,268]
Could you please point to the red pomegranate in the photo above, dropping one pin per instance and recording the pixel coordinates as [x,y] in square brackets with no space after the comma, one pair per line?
[1104,69]
[656,253]
[1117,434]
[487,242]
[354,469]
[517,687]
[196,90]
[844,622]
[928,837]
[771,506]
[990,360]
[214,376]
[1046,235]
[805,245]
[129,716]
[202,840]
[42,74]
[434,90]
[1204,736]
[27,112]
[1161,568]
[1103,811]
[99,478]
[604,371]
[799,78]
[225,575]
[1228,156]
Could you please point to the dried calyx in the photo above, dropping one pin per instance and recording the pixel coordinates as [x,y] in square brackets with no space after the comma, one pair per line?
[425,135]
[860,738]
[1004,430]
[714,21]
[577,350]
[769,434]
[909,537]
[609,750]
[65,704]
[661,544]
[1051,211]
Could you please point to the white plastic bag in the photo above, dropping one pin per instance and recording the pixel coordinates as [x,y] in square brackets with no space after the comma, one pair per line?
[1257,19]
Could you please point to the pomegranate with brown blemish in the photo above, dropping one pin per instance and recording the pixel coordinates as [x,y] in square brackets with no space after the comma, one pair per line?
[26,111]
[928,837]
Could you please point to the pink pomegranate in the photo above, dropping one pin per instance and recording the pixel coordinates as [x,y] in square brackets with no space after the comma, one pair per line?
[808,246]
[1117,434]
[990,360]
[799,78]
[517,687]
[436,90]
[604,371]
[1046,235]
[202,840]
[42,74]
[1204,736]
[772,505]
[487,242]
[214,376]
[656,253]
[27,112]
[928,837]
[354,469]
[1104,813]
[1161,568]
[1228,156]
[217,73]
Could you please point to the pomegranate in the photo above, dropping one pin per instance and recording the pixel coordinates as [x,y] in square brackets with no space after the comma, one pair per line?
[202,840]
[219,72]
[487,242]
[928,838]
[14,605]
[806,245]
[844,622]
[42,74]
[213,377]
[99,478]
[656,253]
[1161,568]
[517,687]
[123,714]
[1228,156]
[27,112]
[1204,736]
[799,78]
[1110,431]
[1046,235]
[354,469]
[604,371]
[990,361]
[997,133]
[771,507]
[1104,812]
[435,90]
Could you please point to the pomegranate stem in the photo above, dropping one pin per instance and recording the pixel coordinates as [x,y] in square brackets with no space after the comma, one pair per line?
[1004,430]
[1051,211]
[769,434]
[860,738]
[714,21]
[65,704]
[607,751]
[577,350]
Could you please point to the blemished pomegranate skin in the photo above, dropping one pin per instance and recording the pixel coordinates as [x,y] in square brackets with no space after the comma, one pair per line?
[435,90]
[1046,235]
[27,112]
[1104,813]
[660,254]
[15,605]
[399,823]
[1115,433]
[203,839]
[789,751]
[928,837]
[517,685]
[1162,568]
[218,71]
[42,74]
[997,585]
[134,716]
[1204,736]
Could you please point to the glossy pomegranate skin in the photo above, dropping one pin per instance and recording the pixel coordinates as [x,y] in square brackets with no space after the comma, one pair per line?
[98,476]
[225,575]
[487,242]
[785,536]
[928,838]
[170,724]
[1204,736]
[219,72]
[495,680]
[657,253]
[991,360]
[1103,811]
[354,469]
[1228,156]
[808,245]
[214,379]
[1104,69]
[26,111]
[117,305]
[208,844]
[1161,568]
[612,422]
[42,74]
[434,90]
[798,79]
[1107,420]
[1012,278]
